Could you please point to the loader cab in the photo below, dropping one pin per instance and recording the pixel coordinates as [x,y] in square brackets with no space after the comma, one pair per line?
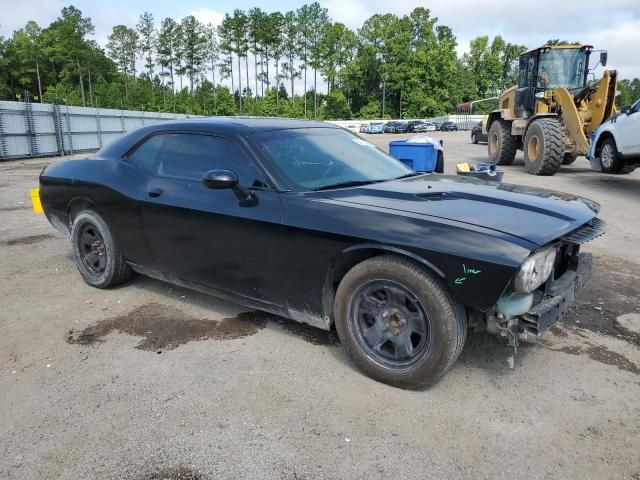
[547,68]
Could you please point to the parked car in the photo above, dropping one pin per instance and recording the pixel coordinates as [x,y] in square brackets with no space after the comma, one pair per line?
[364,128]
[438,124]
[478,134]
[309,221]
[425,127]
[615,146]
[412,124]
[395,127]
[376,127]
[448,126]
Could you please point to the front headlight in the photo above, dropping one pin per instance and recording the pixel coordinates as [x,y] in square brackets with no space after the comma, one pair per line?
[535,270]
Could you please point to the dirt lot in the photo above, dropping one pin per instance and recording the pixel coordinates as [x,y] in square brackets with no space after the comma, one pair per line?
[150,381]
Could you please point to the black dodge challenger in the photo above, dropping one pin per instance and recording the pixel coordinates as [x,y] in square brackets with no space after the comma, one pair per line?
[309,221]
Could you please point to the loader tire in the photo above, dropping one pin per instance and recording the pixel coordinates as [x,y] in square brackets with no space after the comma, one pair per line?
[543,146]
[569,158]
[501,145]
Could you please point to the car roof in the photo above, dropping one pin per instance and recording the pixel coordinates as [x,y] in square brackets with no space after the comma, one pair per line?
[251,123]
[242,126]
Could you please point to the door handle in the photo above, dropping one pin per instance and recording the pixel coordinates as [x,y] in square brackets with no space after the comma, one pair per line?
[155,192]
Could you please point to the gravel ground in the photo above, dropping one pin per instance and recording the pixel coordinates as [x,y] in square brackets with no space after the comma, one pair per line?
[150,381]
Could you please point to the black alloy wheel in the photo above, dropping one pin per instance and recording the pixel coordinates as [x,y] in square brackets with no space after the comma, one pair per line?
[96,252]
[389,323]
[92,249]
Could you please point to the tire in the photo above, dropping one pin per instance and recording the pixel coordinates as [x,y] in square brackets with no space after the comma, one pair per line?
[569,158]
[543,146]
[96,252]
[610,160]
[474,140]
[440,162]
[427,307]
[501,145]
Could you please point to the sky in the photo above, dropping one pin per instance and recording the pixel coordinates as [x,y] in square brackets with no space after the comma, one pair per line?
[613,25]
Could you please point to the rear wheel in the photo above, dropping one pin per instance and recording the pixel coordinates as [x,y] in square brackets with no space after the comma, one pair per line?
[544,146]
[569,158]
[398,323]
[96,252]
[501,144]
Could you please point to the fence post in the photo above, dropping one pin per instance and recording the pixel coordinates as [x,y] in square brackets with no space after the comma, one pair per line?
[3,140]
[122,120]
[99,129]
[57,125]
[29,124]
[69,131]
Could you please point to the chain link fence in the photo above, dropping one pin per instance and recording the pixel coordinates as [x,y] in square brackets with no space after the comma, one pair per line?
[30,129]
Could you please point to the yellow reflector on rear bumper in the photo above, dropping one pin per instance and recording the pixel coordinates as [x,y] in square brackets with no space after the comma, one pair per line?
[35,200]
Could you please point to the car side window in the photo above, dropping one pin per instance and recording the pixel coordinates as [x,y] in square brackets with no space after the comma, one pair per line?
[147,155]
[190,156]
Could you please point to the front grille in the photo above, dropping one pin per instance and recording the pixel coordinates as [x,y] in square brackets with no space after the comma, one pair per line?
[587,232]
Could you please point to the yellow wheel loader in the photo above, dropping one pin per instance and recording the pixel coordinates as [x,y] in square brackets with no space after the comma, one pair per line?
[553,110]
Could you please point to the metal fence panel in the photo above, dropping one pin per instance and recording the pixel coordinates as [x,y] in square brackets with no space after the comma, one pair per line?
[40,129]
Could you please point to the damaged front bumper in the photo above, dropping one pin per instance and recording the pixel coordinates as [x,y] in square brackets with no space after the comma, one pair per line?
[558,297]
[544,308]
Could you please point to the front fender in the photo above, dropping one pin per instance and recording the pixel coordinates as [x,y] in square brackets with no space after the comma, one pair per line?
[472,282]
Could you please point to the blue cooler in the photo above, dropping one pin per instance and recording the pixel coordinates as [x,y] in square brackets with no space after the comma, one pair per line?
[420,157]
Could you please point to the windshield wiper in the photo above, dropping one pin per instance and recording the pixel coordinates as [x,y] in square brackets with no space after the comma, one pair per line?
[352,183]
[412,174]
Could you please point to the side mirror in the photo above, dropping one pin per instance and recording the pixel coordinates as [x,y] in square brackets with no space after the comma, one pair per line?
[220,179]
[603,59]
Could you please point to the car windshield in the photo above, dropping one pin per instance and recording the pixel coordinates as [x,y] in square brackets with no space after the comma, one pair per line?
[562,67]
[316,158]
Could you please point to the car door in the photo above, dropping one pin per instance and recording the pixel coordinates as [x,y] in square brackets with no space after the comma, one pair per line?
[209,236]
[628,130]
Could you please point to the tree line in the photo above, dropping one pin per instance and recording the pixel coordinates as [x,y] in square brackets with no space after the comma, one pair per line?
[392,66]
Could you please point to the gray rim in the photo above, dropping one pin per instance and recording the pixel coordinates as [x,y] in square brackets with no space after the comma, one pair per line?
[389,324]
[606,155]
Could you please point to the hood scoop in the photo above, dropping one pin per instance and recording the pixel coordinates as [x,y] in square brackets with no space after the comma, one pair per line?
[436,196]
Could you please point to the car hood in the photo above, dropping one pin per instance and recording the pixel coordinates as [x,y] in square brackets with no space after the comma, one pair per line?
[533,214]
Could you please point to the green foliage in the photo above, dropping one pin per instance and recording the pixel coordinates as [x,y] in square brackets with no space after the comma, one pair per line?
[629,92]
[493,64]
[556,41]
[393,66]
[147,33]
[370,110]
[337,106]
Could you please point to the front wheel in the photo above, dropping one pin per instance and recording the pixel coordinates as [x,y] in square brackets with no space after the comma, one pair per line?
[96,252]
[544,147]
[398,323]
[474,140]
[610,160]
